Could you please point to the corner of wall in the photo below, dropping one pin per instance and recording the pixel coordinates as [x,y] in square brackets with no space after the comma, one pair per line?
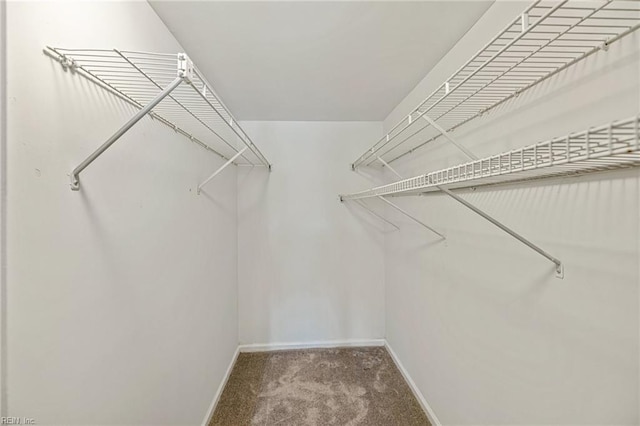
[237,262]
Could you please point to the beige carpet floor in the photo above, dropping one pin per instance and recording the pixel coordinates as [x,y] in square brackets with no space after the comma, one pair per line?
[346,386]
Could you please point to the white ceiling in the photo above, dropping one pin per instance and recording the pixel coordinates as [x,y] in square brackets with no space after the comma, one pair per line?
[334,61]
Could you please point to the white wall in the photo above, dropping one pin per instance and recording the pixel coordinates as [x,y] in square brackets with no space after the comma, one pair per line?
[3,201]
[310,268]
[484,328]
[122,297]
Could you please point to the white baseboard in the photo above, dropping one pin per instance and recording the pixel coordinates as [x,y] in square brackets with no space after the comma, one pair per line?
[218,393]
[421,399]
[265,347]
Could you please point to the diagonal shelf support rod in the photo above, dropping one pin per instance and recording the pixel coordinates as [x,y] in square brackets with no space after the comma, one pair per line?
[556,261]
[446,134]
[391,169]
[364,206]
[473,157]
[75,178]
[224,166]
[395,172]
[252,147]
[418,221]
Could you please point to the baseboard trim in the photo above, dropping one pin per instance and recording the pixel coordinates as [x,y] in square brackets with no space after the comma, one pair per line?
[267,347]
[218,393]
[419,396]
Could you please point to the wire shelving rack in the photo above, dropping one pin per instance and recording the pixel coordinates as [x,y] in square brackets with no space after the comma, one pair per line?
[170,89]
[612,146]
[547,38]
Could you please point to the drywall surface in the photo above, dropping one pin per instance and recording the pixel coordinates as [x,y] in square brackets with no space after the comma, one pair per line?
[486,331]
[121,297]
[3,200]
[310,267]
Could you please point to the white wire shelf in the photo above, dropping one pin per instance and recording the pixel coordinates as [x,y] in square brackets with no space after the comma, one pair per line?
[193,109]
[608,147]
[547,38]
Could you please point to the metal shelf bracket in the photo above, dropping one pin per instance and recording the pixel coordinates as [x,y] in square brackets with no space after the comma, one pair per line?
[446,134]
[185,68]
[75,174]
[221,168]
[364,206]
[416,220]
[391,169]
[558,264]
[395,172]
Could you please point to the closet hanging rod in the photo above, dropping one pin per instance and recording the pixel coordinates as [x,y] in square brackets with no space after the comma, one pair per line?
[491,76]
[143,79]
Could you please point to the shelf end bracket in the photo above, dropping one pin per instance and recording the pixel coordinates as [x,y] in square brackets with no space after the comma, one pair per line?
[186,69]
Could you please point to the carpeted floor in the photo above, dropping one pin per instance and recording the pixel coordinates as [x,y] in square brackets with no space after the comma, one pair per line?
[346,386]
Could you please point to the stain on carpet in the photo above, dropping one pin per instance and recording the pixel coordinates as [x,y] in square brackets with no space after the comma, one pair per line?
[344,386]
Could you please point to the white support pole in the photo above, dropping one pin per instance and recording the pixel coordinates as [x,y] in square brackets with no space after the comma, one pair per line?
[224,166]
[557,262]
[75,178]
[446,134]
[384,163]
[418,221]
[364,206]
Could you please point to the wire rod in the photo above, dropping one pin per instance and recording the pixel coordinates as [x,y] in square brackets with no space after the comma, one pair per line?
[220,169]
[75,178]
[364,206]
[416,220]
[556,261]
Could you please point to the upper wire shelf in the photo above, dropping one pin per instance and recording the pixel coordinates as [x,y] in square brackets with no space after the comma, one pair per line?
[547,38]
[193,109]
[608,147]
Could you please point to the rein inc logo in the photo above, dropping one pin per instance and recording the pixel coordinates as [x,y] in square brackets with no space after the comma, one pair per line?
[17,421]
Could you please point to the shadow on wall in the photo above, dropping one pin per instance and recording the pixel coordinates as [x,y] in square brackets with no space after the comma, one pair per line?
[600,265]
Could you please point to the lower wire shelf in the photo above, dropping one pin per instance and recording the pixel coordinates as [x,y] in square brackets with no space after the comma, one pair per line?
[612,146]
